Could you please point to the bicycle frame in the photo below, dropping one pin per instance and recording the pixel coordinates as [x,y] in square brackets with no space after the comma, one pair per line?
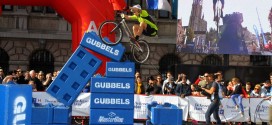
[126,28]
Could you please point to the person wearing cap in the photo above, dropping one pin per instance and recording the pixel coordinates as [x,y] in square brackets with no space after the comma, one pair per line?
[147,26]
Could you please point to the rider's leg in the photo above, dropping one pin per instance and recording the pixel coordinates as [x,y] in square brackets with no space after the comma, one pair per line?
[139,30]
[222,7]
[214,3]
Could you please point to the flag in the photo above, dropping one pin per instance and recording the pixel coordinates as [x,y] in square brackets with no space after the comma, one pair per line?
[118,4]
[158,5]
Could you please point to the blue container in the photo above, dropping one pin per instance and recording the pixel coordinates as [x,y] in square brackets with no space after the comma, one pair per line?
[120,69]
[93,42]
[16,104]
[112,85]
[45,111]
[62,114]
[73,77]
[111,117]
[160,115]
[149,106]
[112,101]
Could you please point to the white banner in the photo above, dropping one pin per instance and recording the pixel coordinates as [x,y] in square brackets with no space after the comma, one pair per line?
[192,105]
[141,101]
[81,106]
[259,108]
[199,105]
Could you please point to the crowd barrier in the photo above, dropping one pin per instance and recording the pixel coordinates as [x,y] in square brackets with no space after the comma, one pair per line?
[255,109]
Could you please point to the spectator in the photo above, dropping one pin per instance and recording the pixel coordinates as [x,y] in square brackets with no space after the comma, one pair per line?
[48,80]
[38,83]
[40,76]
[170,87]
[169,78]
[182,78]
[150,86]
[7,79]
[32,83]
[248,89]
[183,90]
[139,87]
[237,93]
[256,92]
[219,79]
[266,89]
[229,88]
[158,85]
[2,75]
[203,82]
[27,77]
[209,80]
[20,77]
[194,91]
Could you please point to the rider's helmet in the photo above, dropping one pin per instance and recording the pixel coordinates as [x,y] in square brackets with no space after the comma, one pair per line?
[137,6]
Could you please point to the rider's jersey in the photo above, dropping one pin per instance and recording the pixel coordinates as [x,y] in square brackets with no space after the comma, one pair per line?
[144,17]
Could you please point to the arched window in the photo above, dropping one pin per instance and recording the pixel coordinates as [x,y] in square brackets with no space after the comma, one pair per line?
[212,59]
[4,60]
[168,63]
[41,60]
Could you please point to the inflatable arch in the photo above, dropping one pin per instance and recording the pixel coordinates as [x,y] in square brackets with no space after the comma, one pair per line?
[79,13]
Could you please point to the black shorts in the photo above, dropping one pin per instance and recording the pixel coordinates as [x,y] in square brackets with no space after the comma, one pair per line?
[150,31]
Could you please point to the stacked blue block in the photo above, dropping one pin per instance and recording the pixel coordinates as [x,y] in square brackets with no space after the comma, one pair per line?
[74,75]
[112,97]
[125,69]
[160,115]
[16,104]
[93,42]
[149,106]
[51,115]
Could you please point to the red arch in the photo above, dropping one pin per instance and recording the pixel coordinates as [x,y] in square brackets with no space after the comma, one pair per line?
[78,13]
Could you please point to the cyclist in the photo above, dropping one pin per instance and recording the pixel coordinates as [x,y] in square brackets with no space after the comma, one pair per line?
[222,7]
[147,26]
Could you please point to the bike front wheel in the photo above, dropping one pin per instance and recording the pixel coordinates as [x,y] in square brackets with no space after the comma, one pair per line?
[140,51]
[110,32]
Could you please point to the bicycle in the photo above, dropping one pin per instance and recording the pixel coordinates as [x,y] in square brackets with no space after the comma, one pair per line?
[111,33]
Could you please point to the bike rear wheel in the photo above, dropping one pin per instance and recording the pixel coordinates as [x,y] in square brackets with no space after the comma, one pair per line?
[110,32]
[140,51]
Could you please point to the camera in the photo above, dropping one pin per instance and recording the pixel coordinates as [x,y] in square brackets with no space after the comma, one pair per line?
[197,88]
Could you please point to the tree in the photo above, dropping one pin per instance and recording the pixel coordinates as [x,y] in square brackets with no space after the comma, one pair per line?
[190,34]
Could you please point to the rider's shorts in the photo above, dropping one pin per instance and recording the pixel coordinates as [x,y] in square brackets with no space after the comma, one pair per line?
[150,31]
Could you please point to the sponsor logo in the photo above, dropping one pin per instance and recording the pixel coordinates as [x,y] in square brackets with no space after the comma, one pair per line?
[200,106]
[102,46]
[120,69]
[19,110]
[112,117]
[112,101]
[112,85]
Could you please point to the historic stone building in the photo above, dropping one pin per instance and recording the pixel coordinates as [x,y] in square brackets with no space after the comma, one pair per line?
[38,38]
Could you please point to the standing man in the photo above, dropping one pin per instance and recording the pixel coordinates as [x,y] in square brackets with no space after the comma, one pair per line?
[215,101]
[2,75]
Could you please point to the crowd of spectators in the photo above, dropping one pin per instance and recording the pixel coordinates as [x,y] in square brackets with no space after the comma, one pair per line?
[38,80]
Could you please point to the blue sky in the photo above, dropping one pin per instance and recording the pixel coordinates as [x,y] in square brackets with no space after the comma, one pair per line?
[247,7]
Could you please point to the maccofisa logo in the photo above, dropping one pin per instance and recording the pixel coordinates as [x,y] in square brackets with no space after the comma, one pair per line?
[112,117]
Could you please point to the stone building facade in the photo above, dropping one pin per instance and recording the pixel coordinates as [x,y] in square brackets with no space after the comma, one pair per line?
[24,33]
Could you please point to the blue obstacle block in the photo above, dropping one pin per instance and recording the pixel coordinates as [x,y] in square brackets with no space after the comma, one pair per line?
[93,42]
[73,77]
[120,69]
[111,117]
[148,122]
[44,111]
[62,114]
[16,104]
[160,115]
[112,85]
[112,101]
[149,106]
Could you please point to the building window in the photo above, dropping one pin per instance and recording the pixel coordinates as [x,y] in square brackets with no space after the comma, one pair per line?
[37,9]
[7,8]
[4,60]
[49,10]
[257,60]
[41,60]
[213,60]
[168,63]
